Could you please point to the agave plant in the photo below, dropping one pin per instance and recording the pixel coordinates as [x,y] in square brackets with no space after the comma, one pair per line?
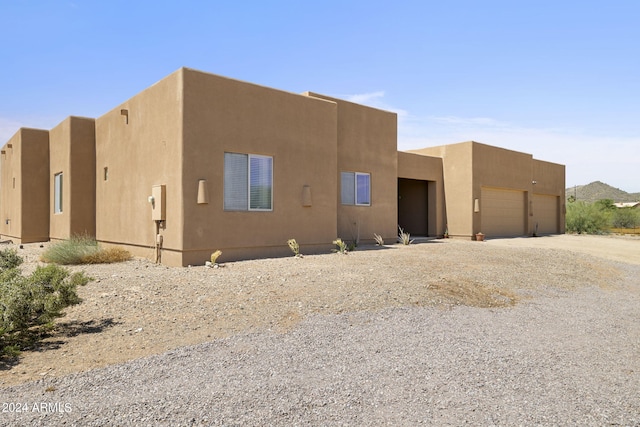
[341,246]
[403,237]
[379,239]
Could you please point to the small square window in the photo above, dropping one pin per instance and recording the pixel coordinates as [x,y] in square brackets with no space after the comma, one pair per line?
[355,188]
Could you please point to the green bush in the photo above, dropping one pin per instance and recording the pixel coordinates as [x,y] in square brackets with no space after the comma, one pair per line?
[29,304]
[82,249]
[625,218]
[586,218]
[606,205]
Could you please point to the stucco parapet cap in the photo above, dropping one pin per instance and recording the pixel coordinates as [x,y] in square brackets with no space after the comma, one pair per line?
[81,117]
[333,98]
[316,97]
[416,153]
[29,128]
[193,70]
[551,163]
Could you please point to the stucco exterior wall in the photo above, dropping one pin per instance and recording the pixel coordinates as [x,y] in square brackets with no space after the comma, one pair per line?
[299,133]
[549,177]
[72,153]
[11,196]
[139,145]
[427,168]
[367,142]
[499,168]
[25,185]
[457,171]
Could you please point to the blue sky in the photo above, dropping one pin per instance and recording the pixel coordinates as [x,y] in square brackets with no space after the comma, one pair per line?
[557,79]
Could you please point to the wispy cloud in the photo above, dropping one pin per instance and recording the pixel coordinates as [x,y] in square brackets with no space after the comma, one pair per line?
[587,157]
[375,100]
[366,98]
[472,121]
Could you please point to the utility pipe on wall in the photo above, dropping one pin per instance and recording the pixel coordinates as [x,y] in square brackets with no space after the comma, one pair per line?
[158,244]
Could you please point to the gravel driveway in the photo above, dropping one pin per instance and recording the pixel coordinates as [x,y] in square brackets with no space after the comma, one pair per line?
[568,353]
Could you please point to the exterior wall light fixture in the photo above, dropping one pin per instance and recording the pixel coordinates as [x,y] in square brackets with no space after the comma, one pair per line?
[306,195]
[203,193]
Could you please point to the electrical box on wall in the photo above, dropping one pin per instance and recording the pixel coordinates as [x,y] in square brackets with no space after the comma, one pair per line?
[158,203]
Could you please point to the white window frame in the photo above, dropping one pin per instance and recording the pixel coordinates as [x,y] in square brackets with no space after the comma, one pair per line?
[248,207]
[58,192]
[356,199]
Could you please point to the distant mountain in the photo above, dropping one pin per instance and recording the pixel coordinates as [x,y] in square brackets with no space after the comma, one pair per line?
[599,190]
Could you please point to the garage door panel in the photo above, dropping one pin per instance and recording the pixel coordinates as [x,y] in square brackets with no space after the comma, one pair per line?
[546,213]
[503,212]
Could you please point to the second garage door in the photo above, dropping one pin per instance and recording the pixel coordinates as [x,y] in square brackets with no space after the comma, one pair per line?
[503,212]
[546,213]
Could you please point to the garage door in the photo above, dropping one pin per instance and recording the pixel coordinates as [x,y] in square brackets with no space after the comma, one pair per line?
[545,213]
[502,212]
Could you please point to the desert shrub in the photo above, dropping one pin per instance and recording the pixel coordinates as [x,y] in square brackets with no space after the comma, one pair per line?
[70,251]
[625,218]
[586,218]
[9,258]
[83,249]
[106,256]
[29,304]
[379,240]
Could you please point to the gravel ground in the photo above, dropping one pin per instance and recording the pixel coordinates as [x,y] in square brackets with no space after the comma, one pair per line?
[440,333]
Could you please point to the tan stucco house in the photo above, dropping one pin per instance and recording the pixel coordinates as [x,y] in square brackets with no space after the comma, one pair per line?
[199,162]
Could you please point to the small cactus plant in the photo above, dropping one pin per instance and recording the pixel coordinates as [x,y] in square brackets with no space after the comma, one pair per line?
[215,255]
[295,247]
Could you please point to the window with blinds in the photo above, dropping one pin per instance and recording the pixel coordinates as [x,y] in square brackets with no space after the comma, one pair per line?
[248,182]
[355,188]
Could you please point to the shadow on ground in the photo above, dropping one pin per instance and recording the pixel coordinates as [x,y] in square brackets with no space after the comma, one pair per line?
[40,340]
